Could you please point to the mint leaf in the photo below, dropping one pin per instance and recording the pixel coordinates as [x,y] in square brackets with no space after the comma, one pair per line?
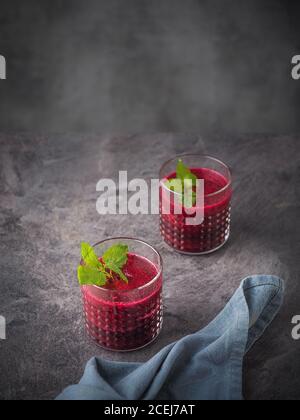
[184,173]
[111,266]
[178,185]
[91,276]
[89,256]
[117,254]
[115,258]
[95,271]
[189,198]
[174,185]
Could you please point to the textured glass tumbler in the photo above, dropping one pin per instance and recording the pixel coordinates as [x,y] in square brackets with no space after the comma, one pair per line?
[214,232]
[125,320]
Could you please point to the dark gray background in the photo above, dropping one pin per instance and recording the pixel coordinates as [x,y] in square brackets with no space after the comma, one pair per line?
[150,65]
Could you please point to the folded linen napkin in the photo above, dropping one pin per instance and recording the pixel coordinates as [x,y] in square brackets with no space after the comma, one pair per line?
[206,365]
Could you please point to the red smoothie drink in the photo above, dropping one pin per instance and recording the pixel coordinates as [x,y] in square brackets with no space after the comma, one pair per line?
[126,316]
[214,232]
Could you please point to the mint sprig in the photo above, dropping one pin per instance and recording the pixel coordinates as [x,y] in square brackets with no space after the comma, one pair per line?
[184,178]
[184,173]
[90,276]
[115,258]
[99,271]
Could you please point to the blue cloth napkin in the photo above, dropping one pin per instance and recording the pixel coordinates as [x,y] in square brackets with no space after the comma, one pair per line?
[204,366]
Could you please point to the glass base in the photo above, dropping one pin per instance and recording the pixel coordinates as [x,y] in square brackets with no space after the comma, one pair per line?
[199,253]
[127,350]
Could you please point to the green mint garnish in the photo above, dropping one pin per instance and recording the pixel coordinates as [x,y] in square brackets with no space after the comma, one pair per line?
[184,178]
[91,276]
[89,256]
[115,258]
[184,173]
[97,272]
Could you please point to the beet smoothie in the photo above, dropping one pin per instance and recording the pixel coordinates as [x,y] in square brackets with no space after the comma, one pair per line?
[215,229]
[122,316]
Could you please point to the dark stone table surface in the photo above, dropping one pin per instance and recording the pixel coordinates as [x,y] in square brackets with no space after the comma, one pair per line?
[48,206]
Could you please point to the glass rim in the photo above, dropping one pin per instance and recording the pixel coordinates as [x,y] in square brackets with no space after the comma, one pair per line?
[127,238]
[195,155]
